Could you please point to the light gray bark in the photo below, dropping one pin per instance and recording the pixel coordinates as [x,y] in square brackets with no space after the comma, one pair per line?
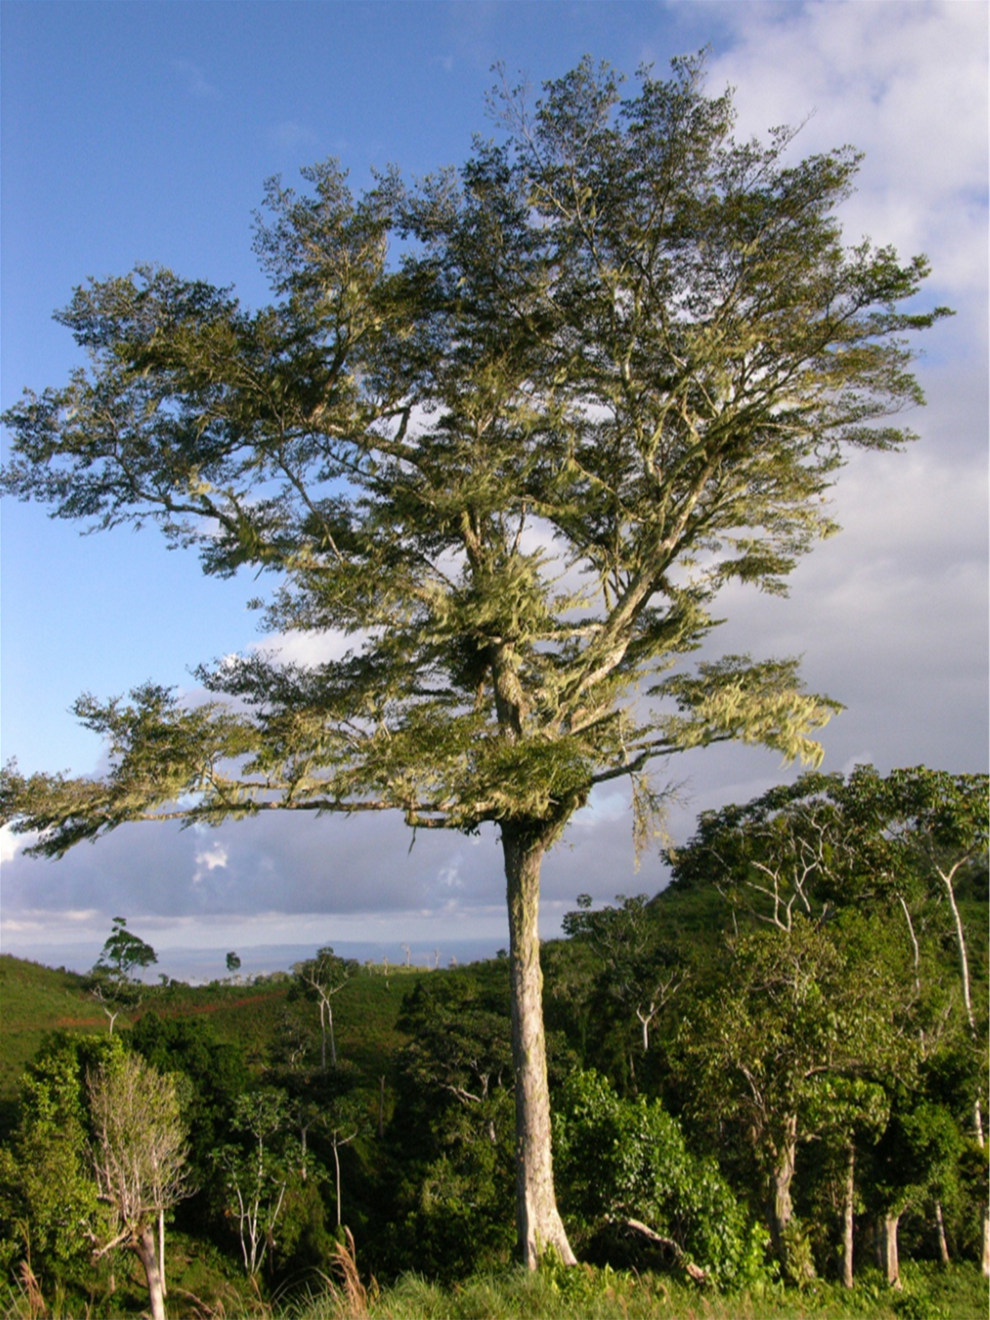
[943,1246]
[144,1245]
[538,1221]
[948,882]
[781,1205]
[847,1217]
[888,1246]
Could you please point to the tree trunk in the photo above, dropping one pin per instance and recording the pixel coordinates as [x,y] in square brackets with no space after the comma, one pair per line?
[781,1205]
[948,881]
[847,1217]
[943,1246]
[144,1245]
[891,1265]
[161,1251]
[336,1164]
[538,1223]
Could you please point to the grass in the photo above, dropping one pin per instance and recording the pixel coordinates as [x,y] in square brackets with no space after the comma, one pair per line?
[552,1294]
[34,1000]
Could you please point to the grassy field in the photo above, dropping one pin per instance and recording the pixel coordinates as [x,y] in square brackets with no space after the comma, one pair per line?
[35,1000]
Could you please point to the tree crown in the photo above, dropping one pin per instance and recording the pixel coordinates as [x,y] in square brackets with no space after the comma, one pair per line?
[614,367]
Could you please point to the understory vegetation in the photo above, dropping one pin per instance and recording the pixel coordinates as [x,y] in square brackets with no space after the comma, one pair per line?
[768,1081]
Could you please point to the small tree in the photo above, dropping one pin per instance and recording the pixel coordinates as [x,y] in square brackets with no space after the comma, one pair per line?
[640,970]
[233,963]
[139,1157]
[341,1118]
[256,1177]
[112,983]
[123,952]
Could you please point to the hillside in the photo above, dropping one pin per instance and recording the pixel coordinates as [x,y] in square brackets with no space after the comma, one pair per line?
[35,1000]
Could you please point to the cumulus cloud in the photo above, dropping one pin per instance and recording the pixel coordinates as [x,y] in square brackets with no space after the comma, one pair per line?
[11,843]
[905,84]
[210,859]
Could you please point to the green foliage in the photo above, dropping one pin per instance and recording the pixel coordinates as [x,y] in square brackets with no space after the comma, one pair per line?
[450,1138]
[620,349]
[257,1172]
[123,952]
[50,1212]
[627,1159]
[621,330]
[639,972]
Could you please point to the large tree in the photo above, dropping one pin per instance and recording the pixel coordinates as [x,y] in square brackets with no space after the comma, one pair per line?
[610,366]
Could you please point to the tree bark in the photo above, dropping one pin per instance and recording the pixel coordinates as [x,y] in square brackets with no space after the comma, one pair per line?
[781,1205]
[847,1217]
[538,1223]
[336,1164]
[943,1246]
[947,878]
[161,1250]
[891,1264]
[144,1245]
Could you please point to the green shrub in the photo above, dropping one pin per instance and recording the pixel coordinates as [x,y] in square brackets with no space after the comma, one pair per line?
[620,1159]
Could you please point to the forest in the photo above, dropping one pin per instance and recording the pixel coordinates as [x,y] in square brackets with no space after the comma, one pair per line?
[768,1081]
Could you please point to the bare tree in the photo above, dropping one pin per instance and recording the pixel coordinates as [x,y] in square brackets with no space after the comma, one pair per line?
[320,978]
[139,1157]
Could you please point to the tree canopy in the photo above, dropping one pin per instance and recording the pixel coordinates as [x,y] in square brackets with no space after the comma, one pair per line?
[510,429]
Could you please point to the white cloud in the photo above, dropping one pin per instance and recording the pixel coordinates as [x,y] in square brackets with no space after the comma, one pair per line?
[289,136]
[308,648]
[210,859]
[11,843]
[907,84]
[195,80]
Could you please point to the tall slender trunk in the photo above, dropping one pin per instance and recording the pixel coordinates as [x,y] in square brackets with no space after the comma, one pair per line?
[891,1264]
[336,1163]
[538,1223]
[144,1245]
[161,1251]
[848,1217]
[943,1246]
[948,882]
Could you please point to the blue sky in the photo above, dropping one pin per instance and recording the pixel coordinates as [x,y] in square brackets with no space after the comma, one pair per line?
[143,131]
